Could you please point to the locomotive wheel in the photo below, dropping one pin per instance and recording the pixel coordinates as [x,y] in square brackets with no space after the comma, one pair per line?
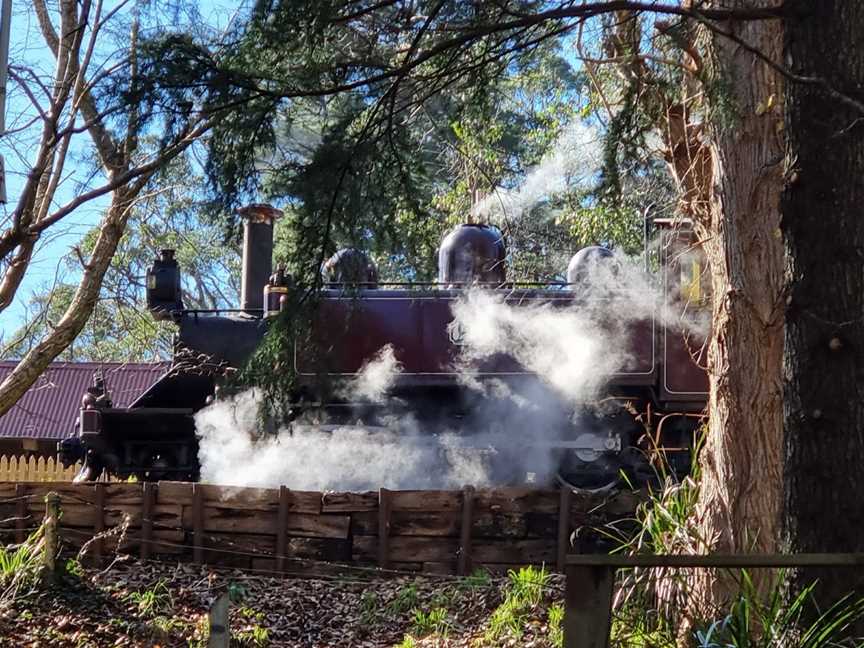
[600,489]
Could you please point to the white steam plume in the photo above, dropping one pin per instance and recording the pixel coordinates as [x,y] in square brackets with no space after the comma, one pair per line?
[561,345]
[327,457]
[576,345]
[375,377]
[572,161]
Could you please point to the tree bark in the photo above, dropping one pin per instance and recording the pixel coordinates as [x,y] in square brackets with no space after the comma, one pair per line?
[740,497]
[37,359]
[823,232]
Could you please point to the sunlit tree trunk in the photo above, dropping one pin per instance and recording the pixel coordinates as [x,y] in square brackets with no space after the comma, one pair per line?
[739,227]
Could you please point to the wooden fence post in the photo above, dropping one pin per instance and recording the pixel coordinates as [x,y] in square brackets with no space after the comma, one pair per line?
[197,524]
[220,633]
[282,528]
[50,544]
[383,528]
[20,513]
[148,491]
[563,527]
[98,521]
[588,606]
[464,563]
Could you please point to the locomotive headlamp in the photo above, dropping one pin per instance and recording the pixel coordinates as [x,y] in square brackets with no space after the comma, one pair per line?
[163,286]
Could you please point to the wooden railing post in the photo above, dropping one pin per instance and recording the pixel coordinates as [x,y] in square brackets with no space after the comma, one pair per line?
[563,527]
[383,528]
[50,543]
[220,633]
[464,562]
[282,528]
[197,524]
[588,606]
[148,491]
[98,521]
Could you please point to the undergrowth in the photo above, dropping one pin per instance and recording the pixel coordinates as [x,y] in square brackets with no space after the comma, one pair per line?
[20,566]
[650,604]
[522,599]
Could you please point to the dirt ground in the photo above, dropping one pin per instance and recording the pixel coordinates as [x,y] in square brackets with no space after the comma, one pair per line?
[132,603]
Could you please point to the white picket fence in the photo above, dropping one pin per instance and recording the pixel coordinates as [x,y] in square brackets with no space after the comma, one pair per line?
[31,469]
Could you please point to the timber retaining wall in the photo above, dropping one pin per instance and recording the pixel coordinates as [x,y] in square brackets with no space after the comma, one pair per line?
[303,531]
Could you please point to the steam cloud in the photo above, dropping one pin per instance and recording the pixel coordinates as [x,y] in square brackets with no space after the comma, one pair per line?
[374,378]
[325,457]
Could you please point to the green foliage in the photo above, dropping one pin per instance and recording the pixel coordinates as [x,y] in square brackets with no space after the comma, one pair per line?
[369,607]
[405,600]
[73,567]
[407,642]
[646,616]
[20,566]
[523,596]
[251,633]
[155,600]
[120,329]
[770,620]
[477,579]
[435,621]
[555,620]
[167,626]
[271,368]
[665,524]
[528,584]
[200,634]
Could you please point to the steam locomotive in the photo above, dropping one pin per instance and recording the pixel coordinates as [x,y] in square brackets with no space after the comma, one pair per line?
[648,408]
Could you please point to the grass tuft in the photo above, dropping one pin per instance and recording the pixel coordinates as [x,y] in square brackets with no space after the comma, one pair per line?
[523,595]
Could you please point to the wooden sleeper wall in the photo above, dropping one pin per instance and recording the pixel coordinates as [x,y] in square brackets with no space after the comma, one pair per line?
[286,530]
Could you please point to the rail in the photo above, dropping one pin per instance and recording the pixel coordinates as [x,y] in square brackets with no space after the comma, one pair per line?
[591,578]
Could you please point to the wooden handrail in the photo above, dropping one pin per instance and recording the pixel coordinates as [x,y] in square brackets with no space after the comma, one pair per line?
[737,561]
[591,577]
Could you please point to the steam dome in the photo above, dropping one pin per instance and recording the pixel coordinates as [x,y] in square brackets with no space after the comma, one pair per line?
[350,266]
[472,253]
[586,261]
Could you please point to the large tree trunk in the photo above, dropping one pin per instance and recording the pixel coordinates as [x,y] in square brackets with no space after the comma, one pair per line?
[823,226]
[740,496]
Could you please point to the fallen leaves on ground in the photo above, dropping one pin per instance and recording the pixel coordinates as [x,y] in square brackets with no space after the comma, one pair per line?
[151,604]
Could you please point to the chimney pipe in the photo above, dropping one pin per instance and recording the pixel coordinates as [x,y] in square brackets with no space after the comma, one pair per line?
[257,254]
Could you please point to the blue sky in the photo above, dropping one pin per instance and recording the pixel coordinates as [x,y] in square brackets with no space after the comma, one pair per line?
[28,48]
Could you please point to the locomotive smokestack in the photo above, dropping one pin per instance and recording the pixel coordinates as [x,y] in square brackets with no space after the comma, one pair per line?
[257,254]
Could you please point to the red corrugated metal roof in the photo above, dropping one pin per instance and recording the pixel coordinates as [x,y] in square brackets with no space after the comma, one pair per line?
[49,408]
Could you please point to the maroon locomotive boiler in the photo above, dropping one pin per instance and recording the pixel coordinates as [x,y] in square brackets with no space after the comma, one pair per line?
[648,407]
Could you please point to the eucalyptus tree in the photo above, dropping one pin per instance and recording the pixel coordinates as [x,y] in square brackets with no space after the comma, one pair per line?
[94,107]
